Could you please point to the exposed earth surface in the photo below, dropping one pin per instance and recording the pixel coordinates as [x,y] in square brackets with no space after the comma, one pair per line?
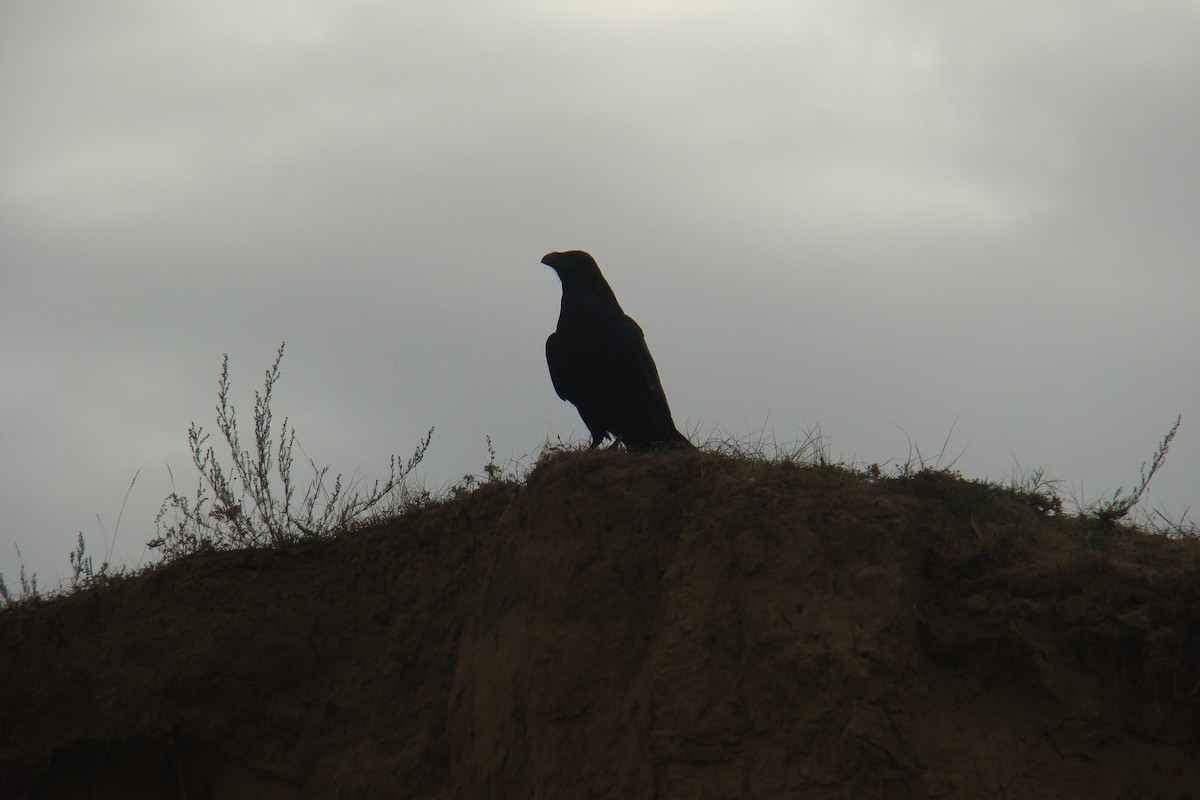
[676,625]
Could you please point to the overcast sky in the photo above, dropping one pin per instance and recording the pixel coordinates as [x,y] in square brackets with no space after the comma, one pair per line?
[891,221]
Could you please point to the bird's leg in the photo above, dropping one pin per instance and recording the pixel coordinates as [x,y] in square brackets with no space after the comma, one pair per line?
[597,438]
[617,440]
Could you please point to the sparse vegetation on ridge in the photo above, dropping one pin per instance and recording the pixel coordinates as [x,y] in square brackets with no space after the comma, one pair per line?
[253,499]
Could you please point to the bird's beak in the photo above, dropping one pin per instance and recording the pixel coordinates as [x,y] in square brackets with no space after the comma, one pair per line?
[551,261]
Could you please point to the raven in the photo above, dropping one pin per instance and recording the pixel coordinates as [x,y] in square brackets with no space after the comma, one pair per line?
[599,361]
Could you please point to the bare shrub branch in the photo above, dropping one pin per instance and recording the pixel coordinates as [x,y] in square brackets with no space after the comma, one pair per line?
[249,502]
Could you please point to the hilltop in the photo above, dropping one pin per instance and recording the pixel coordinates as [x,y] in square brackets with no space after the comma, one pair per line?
[666,625]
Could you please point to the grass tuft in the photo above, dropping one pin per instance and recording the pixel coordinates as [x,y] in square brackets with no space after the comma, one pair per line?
[1120,503]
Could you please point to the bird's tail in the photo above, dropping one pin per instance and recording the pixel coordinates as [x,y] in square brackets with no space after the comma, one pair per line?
[674,440]
[678,441]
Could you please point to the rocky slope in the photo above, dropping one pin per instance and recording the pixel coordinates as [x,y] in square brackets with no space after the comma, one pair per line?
[658,626]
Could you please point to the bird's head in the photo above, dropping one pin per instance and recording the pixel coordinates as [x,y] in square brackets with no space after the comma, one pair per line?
[581,280]
[572,265]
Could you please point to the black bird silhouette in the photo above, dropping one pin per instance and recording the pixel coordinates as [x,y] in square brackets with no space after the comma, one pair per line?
[599,361]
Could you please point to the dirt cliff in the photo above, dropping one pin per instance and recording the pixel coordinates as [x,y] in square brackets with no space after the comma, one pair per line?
[657,626]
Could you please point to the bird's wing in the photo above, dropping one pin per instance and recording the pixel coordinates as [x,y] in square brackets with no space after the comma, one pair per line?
[642,378]
[564,371]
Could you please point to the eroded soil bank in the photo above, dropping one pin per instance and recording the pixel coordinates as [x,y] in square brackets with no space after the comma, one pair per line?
[658,626]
